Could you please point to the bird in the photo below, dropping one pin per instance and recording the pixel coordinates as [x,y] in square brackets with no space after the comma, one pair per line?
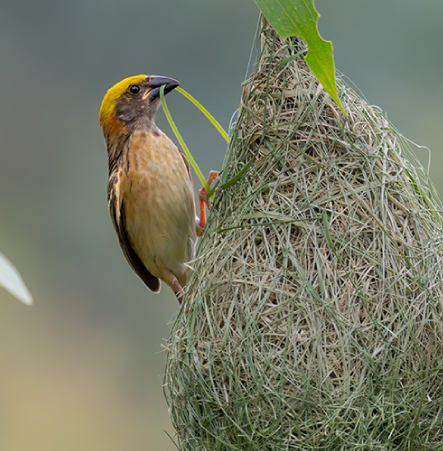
[150,188]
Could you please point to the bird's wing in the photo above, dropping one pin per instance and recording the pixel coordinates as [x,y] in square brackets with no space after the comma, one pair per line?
[188,167]
[117,211]
[186,161]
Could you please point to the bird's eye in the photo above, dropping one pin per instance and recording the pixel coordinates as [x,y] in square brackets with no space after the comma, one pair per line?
[134,89]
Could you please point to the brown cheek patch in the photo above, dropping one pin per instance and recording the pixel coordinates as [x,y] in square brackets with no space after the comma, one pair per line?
[115,126]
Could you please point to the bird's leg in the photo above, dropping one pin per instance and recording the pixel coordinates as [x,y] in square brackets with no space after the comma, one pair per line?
[180,293]
[204,202]
[178,289]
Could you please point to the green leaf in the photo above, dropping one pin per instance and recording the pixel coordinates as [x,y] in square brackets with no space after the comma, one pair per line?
[210,117]
[300,18]
[11,281]
[182,141]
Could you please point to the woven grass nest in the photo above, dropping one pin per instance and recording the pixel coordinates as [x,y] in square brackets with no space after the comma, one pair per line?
[314,316]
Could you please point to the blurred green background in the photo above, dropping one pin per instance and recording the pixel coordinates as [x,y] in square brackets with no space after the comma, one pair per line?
[82,369]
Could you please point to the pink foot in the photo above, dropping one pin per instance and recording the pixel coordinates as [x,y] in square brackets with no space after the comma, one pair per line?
[203,201]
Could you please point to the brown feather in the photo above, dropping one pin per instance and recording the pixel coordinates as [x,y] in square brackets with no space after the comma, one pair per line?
[117,211]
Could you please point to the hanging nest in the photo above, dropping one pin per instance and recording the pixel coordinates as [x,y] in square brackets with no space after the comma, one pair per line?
[314,317]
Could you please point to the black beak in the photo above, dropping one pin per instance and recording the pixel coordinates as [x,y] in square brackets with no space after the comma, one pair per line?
[157,82]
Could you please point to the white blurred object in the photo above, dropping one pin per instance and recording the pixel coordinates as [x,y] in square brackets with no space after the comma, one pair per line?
[11,280]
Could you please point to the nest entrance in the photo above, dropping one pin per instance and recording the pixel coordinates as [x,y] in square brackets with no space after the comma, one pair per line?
[314,318]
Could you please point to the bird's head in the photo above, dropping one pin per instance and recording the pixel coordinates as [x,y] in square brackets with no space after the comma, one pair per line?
[132,103]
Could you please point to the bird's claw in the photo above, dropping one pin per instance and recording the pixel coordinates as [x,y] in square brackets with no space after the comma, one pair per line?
[204,201]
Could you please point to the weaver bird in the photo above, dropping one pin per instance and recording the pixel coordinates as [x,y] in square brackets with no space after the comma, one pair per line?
[150,189]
